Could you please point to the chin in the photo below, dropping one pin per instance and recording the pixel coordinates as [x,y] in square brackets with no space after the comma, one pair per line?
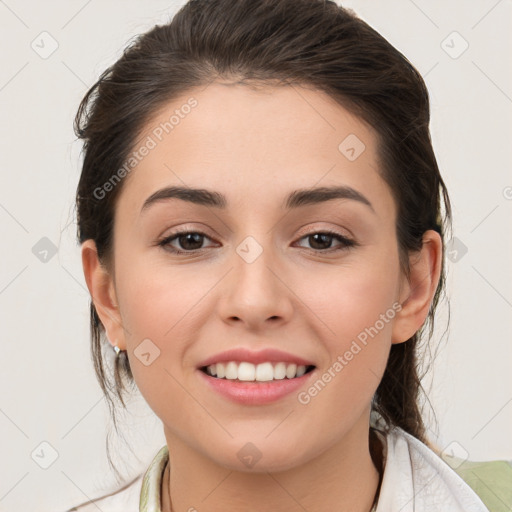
[262,456]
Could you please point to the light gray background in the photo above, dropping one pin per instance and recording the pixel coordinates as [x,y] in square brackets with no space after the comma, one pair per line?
[49,392]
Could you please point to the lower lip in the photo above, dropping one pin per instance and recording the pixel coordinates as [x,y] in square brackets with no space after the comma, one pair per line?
[255,393]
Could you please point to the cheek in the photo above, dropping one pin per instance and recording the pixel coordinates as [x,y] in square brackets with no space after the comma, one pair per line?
[352,299]
[154,299]
[356,311]
[152,303]
[355,307]
[155,308]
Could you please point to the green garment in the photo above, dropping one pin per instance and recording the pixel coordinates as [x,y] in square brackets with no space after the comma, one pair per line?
[491,480]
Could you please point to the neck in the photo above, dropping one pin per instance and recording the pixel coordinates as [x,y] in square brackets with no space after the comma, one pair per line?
[343,477]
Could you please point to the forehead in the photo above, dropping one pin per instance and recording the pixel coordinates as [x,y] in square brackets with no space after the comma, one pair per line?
[239,139]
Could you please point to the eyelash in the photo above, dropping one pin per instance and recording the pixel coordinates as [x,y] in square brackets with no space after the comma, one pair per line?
[347,243]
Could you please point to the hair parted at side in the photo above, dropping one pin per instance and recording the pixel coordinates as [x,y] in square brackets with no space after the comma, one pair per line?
[311,43]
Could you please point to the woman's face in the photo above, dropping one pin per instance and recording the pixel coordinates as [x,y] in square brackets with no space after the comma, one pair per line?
[259,278]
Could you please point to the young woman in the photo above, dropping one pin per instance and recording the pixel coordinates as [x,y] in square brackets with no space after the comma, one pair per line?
[262,222]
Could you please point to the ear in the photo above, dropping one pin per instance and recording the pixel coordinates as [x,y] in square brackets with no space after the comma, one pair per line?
[417,292]
[101,287]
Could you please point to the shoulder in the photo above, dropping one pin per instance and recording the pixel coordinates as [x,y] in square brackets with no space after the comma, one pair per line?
[415,478]
[125,499]
[491,481]
[143,490]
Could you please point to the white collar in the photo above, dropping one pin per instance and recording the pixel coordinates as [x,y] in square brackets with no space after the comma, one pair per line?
[418,480]
[415,479]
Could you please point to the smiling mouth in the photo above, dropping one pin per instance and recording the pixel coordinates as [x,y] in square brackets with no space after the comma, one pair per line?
[263,372]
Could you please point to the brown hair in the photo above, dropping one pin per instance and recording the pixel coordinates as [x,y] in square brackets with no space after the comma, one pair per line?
[313,43]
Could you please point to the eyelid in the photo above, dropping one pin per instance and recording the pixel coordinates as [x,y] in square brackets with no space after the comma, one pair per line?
[184,229]
[333,231]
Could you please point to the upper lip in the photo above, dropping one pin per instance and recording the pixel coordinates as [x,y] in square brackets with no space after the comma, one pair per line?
[255,357]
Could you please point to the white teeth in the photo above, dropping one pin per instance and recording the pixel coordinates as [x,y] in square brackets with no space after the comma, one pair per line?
[246,371]
[264,371]
[231,371]
[301,370]
[291,371]
[280,371]
[250,372]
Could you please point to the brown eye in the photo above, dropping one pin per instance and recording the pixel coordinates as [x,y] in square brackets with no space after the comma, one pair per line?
[188,242]
[322,241]
[192,241]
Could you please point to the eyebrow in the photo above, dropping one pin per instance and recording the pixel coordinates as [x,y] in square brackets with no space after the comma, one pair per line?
[295,199]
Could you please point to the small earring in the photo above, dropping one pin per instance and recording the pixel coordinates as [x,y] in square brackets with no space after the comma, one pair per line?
[117,349]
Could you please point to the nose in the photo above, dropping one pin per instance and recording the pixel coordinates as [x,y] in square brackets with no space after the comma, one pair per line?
[255,293]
